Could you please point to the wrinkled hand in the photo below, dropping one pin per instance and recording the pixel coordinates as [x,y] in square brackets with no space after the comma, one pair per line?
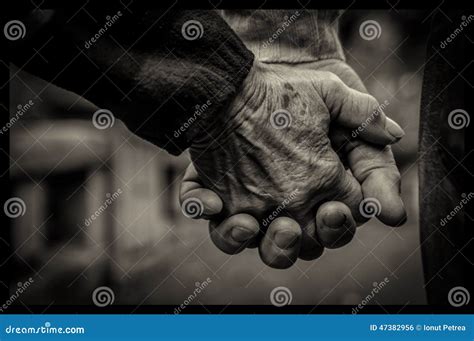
[272,157]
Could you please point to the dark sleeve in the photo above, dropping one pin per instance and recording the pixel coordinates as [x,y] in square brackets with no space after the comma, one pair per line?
[165,73]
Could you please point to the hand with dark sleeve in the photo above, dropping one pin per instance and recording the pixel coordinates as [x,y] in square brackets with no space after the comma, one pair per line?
[373,173]
[152,68]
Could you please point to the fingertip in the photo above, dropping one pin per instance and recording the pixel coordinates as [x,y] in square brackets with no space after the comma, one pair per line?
[280,245]
[209,202]
[335,225]
[235,233]
[395,215]
[212,202]
[285,232]
[394,129]
[378,128]
[382,198]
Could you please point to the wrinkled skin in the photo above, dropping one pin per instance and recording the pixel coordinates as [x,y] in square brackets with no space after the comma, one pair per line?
[256,166]
[261,170]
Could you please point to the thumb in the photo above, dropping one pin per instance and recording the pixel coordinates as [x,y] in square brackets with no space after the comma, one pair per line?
[359,111]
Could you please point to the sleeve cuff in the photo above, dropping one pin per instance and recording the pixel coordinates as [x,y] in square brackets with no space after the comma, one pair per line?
[288,36]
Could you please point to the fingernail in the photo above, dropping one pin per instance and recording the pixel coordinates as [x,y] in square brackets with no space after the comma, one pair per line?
[334,220]
[285,239]
[241,234]
[394,129]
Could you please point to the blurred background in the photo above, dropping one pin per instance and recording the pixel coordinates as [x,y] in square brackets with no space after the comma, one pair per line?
[142,246]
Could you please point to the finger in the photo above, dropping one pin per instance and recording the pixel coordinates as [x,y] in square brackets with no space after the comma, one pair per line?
[377,171]
[280,245]
[360,112]
[347,191]
[316,234]
[196,201]
[375,168]
[234,233]
[335,225]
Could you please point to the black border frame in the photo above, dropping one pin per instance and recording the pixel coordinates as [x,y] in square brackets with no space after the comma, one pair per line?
[21,5]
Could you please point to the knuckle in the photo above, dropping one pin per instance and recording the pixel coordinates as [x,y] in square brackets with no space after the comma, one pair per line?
[330,77]
[372,105]
[331,172]
[336,85]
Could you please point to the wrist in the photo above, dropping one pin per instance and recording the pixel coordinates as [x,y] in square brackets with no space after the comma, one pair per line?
[288,36]
[249,96]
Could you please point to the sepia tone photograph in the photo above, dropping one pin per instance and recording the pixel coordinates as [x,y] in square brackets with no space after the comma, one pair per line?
[190,158]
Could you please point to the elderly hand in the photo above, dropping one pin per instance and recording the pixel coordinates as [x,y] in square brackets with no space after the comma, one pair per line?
[272,157]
